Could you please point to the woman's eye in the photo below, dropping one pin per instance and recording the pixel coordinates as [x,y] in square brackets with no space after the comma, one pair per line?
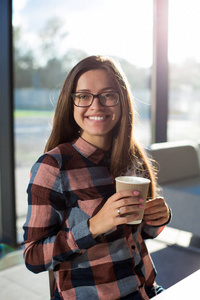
[109,95]
[83,96]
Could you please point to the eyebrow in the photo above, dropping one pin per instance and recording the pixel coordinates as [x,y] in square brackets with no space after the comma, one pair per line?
[102,90]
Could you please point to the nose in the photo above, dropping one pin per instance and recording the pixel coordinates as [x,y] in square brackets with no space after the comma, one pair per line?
[96,103]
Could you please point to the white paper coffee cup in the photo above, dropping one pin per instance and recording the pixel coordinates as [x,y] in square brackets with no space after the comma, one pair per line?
[132,183]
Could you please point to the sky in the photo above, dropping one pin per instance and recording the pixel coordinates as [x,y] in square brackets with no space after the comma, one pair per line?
[112,27]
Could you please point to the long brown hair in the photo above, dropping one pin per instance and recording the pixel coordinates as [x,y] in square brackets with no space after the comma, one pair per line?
[125,152]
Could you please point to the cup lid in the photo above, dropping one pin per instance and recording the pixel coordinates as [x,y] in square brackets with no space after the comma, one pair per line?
[132,179]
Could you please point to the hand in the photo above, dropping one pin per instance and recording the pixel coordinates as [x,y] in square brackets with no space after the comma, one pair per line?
[108,217]
[156,212]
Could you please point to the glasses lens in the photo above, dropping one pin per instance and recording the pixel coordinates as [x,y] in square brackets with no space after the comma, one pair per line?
[82,99]
[109,98]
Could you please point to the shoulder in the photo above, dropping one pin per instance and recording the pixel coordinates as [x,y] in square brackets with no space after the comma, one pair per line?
[54,158]
[48,166]
[59,155]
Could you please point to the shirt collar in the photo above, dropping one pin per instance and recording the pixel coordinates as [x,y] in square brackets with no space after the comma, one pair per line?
[88,150]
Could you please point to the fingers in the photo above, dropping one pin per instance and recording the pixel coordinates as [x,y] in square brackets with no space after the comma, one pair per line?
[128,203]
[156,219]
[157,222]
[158,209]
[154,216]
[123,194]
[155,205]
[124,198]
[156,212]
[126,219]
[154,202]
[127,207]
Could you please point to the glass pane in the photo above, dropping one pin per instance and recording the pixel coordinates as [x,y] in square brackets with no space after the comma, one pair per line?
[184,75]
[49,39]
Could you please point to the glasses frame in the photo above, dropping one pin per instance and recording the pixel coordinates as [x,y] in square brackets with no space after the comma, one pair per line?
[94,96]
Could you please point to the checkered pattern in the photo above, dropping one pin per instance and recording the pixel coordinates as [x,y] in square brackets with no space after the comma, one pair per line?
[68,185]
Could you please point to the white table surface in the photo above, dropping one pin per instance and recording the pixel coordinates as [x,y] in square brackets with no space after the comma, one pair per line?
[186,289]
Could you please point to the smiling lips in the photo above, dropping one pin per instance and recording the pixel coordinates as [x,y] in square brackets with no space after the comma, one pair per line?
[96,118]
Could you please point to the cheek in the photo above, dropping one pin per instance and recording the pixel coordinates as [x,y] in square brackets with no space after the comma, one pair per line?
[77,115]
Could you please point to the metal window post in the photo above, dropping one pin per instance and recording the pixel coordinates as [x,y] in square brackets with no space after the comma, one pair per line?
[7,190]
[160,72]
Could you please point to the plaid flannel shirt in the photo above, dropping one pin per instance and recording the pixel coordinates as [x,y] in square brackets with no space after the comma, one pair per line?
[68,185]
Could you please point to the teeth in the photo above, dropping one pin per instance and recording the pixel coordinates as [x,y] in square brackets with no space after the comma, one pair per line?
[96,118]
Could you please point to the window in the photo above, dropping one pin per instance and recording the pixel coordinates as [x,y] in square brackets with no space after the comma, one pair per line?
[184,70]
[49,39]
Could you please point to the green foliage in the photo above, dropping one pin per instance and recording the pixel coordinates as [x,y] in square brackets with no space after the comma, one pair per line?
[23,63]
[32,114]
[30,72]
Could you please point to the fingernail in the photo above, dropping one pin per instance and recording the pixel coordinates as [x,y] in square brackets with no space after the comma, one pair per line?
[136,193]
[141,206]
[141,200]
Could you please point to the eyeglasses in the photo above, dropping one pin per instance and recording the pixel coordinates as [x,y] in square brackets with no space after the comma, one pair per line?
[83,99]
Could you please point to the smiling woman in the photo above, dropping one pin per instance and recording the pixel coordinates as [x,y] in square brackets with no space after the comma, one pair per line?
[121,29]
[76,221]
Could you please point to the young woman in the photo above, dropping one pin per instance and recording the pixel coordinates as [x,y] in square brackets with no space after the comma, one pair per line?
[76,223]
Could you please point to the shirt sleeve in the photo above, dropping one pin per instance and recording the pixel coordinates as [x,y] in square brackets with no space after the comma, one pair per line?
[48,240]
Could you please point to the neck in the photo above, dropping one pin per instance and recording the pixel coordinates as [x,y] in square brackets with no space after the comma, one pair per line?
[101,142]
